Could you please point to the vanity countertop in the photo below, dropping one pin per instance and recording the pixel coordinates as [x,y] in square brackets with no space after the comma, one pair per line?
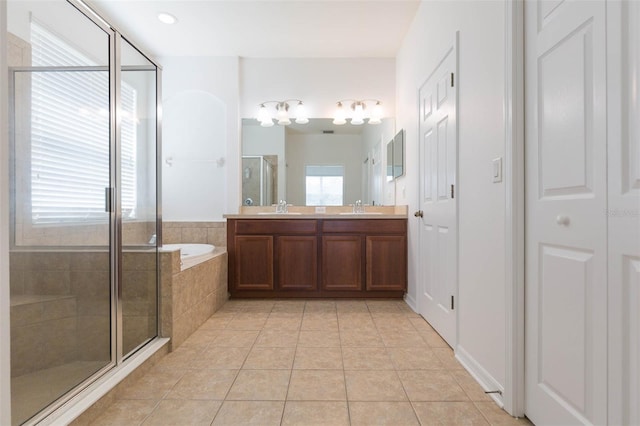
[330,212]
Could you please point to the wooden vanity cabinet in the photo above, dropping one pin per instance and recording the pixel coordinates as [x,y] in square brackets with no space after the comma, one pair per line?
[267,257]
[317,257]
[378,251]
[386,262]
[342,262]
[254,267]
[297,266]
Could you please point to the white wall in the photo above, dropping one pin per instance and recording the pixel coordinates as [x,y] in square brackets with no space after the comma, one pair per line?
[204,97]
[481,312]
[319,83]
[316,150]
[200,130]
[65,22]
[258,140]
[5,364]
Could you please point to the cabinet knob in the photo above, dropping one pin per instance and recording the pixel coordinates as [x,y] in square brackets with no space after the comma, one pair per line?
[563,220]
[419,213]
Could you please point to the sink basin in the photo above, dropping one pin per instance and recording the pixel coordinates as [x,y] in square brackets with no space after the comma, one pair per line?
[278,214]
[359,214]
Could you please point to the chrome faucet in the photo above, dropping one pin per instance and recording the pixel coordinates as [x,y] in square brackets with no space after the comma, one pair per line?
[358,207]
[282,207]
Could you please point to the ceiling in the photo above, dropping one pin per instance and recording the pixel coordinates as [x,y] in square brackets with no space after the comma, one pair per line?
[263,28]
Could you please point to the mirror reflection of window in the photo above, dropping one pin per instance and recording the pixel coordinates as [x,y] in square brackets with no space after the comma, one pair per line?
[324,185]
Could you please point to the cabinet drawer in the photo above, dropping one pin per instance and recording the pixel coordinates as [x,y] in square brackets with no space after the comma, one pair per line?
[276,226]
[362,226]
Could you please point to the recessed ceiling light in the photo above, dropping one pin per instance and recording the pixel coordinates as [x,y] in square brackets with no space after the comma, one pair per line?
[167,18]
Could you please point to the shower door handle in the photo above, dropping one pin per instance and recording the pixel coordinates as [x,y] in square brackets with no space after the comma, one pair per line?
[108,199]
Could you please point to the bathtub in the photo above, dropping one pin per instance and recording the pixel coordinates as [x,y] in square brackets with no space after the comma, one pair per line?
[191,254]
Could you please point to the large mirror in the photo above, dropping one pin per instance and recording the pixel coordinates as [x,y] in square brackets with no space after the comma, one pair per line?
[317,163]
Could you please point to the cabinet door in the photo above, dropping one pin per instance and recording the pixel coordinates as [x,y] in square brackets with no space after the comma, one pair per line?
[297,262]
[342,262]
[254,262]
[386,262]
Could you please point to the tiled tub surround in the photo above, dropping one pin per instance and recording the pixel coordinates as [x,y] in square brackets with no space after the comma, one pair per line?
[195,232]
[190,297]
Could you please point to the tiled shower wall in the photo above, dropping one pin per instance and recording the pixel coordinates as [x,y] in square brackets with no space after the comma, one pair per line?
[60,298]
[60,306]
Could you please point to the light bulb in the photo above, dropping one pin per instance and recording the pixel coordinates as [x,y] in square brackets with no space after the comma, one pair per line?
[301,114]
[376,114]
[358,114]
[339,116]
[263,114]
[282,115]
[267,123]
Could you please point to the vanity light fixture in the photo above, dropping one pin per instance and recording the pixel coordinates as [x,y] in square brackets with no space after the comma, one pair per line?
[340,117]
[282,113]
[167,18]
[358,112]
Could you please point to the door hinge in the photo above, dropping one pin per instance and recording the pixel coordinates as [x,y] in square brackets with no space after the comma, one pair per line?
[452,85]
[452,191]
[452,305]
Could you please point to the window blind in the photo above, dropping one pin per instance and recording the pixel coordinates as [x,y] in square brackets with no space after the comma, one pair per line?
[70,135]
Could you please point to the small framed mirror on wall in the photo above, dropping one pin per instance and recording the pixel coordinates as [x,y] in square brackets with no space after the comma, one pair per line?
[395,156]
[398,154]
[390,163]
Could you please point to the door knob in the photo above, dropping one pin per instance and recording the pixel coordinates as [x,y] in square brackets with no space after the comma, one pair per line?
[563,220]
[419,213]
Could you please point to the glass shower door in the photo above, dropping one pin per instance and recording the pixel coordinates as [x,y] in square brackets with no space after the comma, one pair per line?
[61,231]
[138,203]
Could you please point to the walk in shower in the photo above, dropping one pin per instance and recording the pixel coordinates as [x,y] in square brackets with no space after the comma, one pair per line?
[84,201]
[259,180]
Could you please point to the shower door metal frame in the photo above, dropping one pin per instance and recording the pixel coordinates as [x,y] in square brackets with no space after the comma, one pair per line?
[115,212]
[115,87]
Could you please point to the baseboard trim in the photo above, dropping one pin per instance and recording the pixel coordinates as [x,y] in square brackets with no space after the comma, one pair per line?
[409,300]
[482,376]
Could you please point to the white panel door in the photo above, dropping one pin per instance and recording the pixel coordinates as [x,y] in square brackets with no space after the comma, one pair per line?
[623,19]
[565,224]
[438,211]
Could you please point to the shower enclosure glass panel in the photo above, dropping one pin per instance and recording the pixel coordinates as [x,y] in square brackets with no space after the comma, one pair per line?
[259,180]
[138,199]
[60,266]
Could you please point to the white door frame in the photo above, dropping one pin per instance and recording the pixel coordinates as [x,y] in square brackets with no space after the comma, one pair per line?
[513,397]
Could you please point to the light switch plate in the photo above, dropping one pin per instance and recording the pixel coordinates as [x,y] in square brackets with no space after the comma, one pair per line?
[497,169]
[320,209]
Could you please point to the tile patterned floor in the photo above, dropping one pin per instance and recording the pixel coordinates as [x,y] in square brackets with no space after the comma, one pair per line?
[288,362]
